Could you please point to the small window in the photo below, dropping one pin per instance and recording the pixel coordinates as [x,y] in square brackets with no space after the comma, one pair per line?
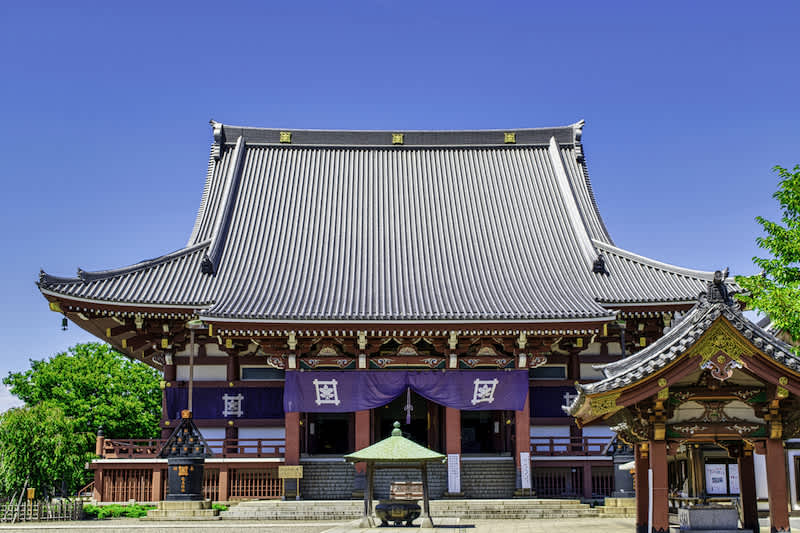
[548,372]
[262,372]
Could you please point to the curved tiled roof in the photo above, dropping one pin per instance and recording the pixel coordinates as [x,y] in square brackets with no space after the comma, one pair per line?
[349,226]
[682,337]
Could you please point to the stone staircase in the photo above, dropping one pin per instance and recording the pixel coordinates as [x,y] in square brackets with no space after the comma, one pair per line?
[617,508]
[489,479]
[521,509]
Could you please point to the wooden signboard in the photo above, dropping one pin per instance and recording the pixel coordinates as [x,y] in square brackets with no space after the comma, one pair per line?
[290,472]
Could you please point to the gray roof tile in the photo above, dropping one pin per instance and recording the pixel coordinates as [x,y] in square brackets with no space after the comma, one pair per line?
[346,226]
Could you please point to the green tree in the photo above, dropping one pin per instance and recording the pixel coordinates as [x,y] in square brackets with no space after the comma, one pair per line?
[96,387]
[776,291]
[43,449]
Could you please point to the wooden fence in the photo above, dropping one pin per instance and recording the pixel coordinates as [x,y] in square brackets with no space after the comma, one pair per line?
[38,510]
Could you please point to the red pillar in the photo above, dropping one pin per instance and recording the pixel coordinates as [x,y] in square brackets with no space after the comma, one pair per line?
[452,423]
[658,464]
[641,466]
[778,493]
[747,491]
[362,436]
[522,439]
[292,453]
[587,480]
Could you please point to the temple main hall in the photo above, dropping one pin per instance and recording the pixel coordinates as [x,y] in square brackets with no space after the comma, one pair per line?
[459,282]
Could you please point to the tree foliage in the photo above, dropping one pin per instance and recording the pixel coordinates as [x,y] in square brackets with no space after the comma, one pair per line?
[776,291]
[42,448]
[96,387]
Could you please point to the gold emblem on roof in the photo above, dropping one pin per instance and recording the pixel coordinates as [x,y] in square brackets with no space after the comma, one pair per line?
[721,337]
[286,137]
[510,137]
[397,138]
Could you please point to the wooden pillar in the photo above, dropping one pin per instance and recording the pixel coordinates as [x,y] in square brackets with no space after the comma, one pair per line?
[158,482]
[641,465]
[231,440]
[362,435]
[292,425]
[452,420]
[587,480]
[224,484]
[778,493]
[747,491]
[658,464]
[522,443]
[232,367]
[697,475]
[426,509]
[291,455]
[170,370]
[97,493]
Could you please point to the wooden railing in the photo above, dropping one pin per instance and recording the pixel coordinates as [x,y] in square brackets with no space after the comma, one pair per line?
[38,510]
[556,446]
[149,448]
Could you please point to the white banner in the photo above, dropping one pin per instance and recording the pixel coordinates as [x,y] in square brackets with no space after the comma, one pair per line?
[453,473]
[525,469]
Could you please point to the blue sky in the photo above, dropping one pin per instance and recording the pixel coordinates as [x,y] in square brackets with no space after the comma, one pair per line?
[105,110]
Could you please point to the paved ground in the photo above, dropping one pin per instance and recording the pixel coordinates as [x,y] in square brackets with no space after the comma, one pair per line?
[444,525]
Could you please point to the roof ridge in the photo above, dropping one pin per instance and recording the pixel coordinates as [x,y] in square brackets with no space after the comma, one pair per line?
[700,274]
[220,234]
[397,138]
[576,216]
[84,276]
[581,160]
[569,127]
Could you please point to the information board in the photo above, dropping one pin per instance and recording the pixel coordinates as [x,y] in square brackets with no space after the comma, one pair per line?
[716,479]
[525,469]
[453,473]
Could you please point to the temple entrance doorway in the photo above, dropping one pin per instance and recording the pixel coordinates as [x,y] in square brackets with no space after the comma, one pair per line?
[327,433]
[488,432]
[426,427]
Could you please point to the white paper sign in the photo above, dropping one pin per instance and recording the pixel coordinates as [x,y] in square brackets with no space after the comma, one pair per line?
[733,478]
[525,469]
[716,479]
[453,473]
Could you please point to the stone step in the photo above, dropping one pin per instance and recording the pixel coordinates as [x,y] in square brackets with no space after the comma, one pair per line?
[473,509]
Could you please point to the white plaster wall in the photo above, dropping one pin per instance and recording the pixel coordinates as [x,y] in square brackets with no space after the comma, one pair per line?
[213,433]
[277,433]
[587,372]
[211,349]
[598,431]
[592,349]
[203,372]
[544,433]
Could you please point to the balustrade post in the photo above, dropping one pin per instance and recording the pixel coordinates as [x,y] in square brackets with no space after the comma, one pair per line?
[223,489]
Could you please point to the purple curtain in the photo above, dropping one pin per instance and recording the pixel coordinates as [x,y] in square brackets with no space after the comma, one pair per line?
[348,391]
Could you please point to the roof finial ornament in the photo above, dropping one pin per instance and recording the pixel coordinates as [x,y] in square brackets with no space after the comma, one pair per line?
[219,139]
[599,266]
[577,132]
[717,291]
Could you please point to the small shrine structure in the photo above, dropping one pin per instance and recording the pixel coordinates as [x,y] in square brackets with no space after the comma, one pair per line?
[395,451]
[715,378]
